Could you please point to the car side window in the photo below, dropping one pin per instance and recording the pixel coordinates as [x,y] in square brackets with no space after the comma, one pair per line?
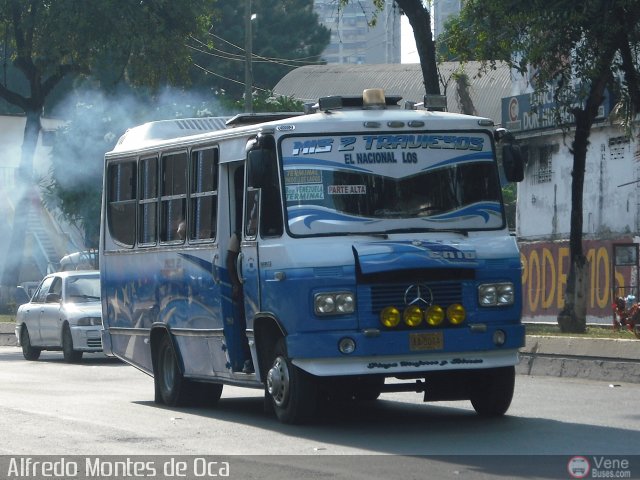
[55,289]
[41,295]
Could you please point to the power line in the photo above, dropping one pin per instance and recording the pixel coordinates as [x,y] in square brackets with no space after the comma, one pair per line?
[262,58]
[206,70]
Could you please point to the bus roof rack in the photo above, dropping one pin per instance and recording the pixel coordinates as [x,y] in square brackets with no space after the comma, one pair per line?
[253,118]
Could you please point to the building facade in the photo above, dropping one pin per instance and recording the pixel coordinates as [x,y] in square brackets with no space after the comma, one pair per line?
[611,207]
[442,11]
[353,40]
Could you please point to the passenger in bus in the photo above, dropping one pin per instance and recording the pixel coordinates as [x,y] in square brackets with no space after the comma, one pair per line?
[237,296]
[181,230]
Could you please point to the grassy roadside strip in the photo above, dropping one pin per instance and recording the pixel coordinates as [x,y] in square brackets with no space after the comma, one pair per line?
[593,331]
[532,329]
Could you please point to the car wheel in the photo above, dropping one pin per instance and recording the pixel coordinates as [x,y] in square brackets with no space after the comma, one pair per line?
[29,352]
[70,355]
[293,392]
[492,390]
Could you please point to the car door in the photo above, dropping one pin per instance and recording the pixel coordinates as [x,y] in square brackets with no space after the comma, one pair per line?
[50,314]
[31,311]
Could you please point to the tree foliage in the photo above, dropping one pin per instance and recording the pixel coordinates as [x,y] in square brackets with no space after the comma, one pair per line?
[285,35]
[574,49]
[142,41]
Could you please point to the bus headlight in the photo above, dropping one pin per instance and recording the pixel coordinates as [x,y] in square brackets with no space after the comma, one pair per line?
[496,294]
[412,316]
[434,315]
[347,345]
[456,314]
[390,317]
[338,303]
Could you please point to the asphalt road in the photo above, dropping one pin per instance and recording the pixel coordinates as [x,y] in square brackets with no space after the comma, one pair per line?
[103,407]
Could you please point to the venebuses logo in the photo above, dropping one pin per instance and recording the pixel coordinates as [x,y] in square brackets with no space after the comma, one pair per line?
[599,467]
[578,467]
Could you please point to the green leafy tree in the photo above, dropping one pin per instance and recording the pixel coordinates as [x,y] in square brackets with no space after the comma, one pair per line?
[142,41]
[285,35]
[577,48]
[266,101]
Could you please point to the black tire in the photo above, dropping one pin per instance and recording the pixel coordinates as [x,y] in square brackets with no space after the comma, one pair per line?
[293,392]
[28,352]
[70,355]
[172,388]
[170,384]
[492,390]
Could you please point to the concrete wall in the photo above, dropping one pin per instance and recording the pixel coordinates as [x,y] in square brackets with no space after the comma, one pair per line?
[610,207]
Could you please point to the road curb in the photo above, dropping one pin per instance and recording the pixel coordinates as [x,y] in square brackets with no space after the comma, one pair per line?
[7,334]
[600,359]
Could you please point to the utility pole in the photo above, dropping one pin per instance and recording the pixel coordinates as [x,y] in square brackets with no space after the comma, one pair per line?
[248,74]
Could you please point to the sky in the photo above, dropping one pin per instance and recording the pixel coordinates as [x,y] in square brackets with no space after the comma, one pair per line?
[409,54]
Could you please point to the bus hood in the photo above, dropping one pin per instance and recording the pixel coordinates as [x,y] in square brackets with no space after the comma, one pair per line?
[377,257]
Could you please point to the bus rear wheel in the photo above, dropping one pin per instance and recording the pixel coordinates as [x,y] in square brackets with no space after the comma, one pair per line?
[492,391]
[169,382]
[172,388]
[293,392]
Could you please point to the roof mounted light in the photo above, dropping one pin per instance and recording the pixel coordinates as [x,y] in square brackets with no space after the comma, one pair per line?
[330,103]
[373,98]
[436,103]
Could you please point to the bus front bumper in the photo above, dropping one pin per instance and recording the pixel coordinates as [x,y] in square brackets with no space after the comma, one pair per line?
[407,364]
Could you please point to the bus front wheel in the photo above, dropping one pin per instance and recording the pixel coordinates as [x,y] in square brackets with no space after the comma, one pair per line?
[492,391]
[293,391]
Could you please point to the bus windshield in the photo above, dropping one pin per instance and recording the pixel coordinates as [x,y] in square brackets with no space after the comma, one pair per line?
[384,183]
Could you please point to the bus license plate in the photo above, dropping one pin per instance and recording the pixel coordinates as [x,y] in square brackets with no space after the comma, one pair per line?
[426,341]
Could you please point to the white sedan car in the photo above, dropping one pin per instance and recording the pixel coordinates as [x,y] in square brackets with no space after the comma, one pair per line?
[63,314]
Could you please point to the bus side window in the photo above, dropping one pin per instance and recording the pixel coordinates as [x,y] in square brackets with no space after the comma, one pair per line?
[204,194]
[148,203]
[121,208]
[173,197]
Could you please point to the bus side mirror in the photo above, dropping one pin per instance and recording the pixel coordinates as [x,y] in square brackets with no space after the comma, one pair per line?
[512,163]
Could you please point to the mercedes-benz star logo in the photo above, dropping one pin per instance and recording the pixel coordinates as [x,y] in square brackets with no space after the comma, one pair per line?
[417,293]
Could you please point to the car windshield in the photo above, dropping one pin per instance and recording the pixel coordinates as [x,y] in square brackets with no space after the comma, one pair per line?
[82,289]
[413,186]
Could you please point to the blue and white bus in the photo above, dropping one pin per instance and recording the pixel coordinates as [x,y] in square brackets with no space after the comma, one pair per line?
[374,256]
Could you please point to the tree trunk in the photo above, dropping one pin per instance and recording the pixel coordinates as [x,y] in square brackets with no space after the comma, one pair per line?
[420,20]
[573,317]
[26,193]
